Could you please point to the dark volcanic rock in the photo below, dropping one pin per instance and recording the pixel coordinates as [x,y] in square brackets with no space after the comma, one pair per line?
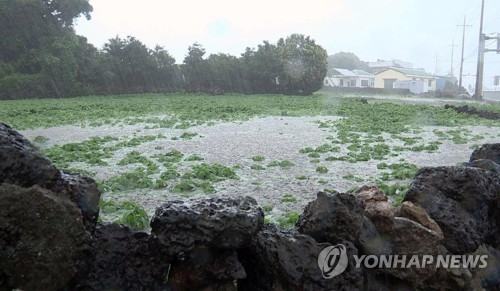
[83,191]
[123,259]
[462,200]
[42,238]
[473,111]
[412,238]
[487,165]
[487,152]
[472,278]
[332,218]
[22,164]
[206,268]
[287,260]
[222,222]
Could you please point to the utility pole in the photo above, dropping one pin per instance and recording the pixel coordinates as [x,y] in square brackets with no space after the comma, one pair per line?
[462,58]
[453,45]
[480,58]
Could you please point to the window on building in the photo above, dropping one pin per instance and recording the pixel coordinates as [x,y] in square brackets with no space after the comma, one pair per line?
[341,83]
[364,83]
[430,83]
[353,83]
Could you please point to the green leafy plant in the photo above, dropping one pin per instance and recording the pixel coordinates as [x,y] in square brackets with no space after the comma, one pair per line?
[267,208]
[282,164]
[40,139]
[258,158]
[212,172]
[188,135]
[193,158]
[288,220]
[257,167]
[127,212]
[137,179]
[288,198]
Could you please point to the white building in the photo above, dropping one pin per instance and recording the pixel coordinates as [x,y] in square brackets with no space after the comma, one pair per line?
[345,78]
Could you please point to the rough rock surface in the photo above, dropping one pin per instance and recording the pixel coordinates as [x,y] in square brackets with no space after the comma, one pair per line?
[42,239]
[123,259]
[206,268]
[287,260]
[462,201]
[377,208]
[412,238]
[22,164]
[418,214]
[83,191]
[465,278]
[473,111]
[20,161]
[222,222]
[333,218]
[487,152]
[487,165]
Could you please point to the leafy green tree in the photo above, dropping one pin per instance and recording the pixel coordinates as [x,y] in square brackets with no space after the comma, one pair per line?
[262,69]
[304,63]
[224,73]
[194,69]
[38,44]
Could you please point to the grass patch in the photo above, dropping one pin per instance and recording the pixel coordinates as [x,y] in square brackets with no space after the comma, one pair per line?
[257,167]
[354,178]
[258,158]
[396,191]
[288,198]
[128,212]
[188,135]
[194,158]
[211,172]
[322,169]
[135,157]
[173,156]
[40,139]
[189,185]
[282,164]
[137,179]
[399,171]
[267,208]
[92,152]
[288,220]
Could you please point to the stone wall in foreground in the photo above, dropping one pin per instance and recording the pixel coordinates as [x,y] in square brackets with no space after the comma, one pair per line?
[50,238]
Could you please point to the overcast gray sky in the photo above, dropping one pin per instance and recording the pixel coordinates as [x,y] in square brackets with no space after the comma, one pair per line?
[417,31]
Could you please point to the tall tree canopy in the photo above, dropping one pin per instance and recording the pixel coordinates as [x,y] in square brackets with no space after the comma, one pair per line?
[346,60]
[304,63]
[41,56]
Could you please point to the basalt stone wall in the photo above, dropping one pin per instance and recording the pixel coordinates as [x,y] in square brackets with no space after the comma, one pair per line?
[50,238]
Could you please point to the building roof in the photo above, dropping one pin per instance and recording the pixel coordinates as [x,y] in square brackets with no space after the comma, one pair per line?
[343,72]
[348,73]
[390,63]
[362,73]
[409,72]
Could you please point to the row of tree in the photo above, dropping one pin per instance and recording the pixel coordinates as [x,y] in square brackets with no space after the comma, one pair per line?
[41,56]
